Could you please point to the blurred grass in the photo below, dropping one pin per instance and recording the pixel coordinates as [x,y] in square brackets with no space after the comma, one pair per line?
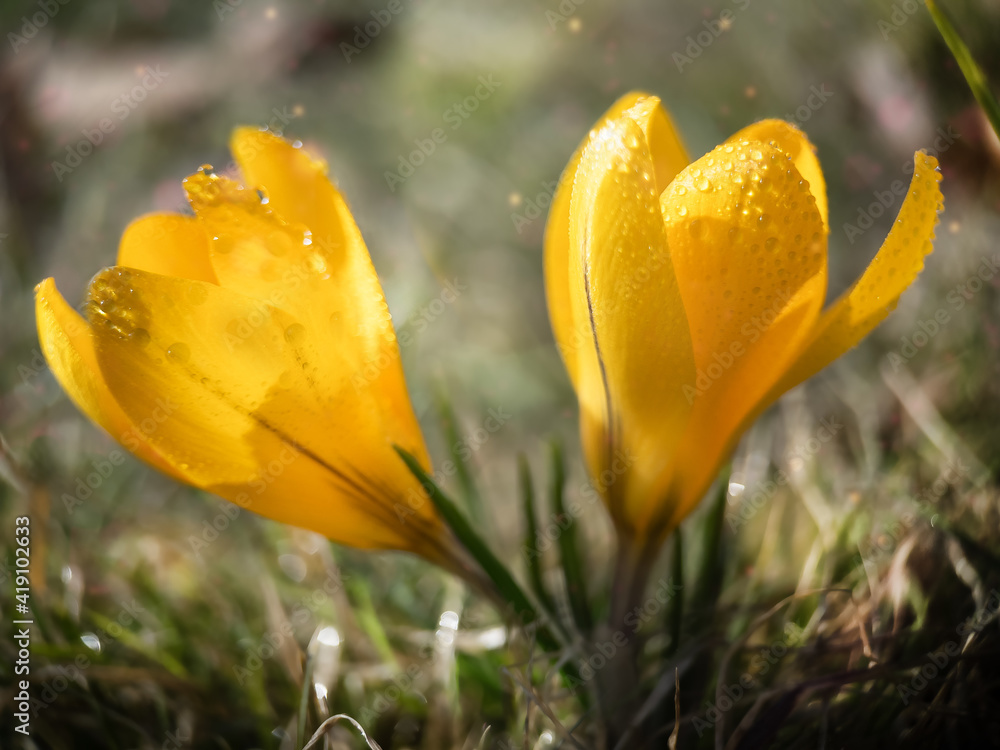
[168,673]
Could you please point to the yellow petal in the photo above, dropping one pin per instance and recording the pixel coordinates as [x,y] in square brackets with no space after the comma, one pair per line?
[303,252]
[623,289]
[68,346]
[856,313]
[669,157]
[171,244]
[788,138]
[749,250]
[241,406]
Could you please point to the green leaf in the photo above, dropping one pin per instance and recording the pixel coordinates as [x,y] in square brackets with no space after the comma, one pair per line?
[535,573]
[523,610]
[974,75]
[470,493]
[708,583]
[576,586]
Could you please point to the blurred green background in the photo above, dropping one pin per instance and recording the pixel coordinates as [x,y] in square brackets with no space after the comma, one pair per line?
[165,625]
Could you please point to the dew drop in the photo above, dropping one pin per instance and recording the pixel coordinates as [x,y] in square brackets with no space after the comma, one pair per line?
[764,220]
[295,333]
[140,337]
[179,352]
[704,185]
[682,211]
[697,228]
[681,190]
[770,242]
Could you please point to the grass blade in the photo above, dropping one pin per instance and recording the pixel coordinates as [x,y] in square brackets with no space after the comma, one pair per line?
[524,611]
[576,585]
[974,75]
[534,554]
[470,493]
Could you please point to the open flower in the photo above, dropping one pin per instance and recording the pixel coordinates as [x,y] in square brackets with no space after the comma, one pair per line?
[248,350]
[687,297]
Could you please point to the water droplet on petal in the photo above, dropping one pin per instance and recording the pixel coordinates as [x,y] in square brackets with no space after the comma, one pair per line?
[140,337]
[295,333]
[179,352]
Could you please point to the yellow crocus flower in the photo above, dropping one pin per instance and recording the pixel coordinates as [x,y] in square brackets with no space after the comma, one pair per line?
[687,297]
[248,350]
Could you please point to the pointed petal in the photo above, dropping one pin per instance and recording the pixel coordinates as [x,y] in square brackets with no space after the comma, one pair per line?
[169,244]
[302,252]
[632,407]
[242,408]
[669,158]
[749,249]
[68,346]
[786,137]
[876,293]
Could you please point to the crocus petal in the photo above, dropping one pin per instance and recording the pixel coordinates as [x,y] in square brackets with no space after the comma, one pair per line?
[632,407]
[325,277]
[169,244]
[669,158]
[68,347]
[241,409]
[788,138]
[749,249]
[898,263]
